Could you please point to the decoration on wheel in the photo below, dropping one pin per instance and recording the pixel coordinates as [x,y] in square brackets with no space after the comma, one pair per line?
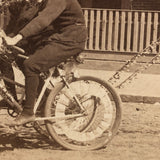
[151,49]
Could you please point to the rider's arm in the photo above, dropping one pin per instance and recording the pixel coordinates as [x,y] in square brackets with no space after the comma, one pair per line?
[52,10]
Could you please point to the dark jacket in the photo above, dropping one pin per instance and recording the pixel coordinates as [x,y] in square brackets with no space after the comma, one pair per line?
[64,17]
[20,13]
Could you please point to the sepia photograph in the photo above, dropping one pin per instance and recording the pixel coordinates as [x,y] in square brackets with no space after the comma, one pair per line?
[79,79]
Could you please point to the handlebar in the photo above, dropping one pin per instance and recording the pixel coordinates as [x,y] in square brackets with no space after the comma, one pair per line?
[3,35]
[18,49]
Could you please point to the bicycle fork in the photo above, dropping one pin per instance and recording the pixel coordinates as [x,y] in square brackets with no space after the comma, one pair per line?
[62,75]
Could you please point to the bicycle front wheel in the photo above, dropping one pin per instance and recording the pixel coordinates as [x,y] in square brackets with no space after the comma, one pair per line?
[92,130]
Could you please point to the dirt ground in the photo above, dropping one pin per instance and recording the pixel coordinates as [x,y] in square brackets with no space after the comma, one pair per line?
[138,139]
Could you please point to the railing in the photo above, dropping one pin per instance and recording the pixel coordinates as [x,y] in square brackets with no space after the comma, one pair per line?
[118,30]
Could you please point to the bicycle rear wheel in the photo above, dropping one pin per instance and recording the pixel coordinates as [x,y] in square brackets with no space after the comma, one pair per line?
[88,132]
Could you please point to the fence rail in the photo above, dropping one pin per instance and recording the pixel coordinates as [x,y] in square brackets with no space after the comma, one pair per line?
[118,30]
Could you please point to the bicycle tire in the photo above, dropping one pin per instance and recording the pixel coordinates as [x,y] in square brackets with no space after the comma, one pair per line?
[80,142]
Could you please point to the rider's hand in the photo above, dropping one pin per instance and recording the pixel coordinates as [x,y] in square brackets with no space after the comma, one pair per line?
[14,40]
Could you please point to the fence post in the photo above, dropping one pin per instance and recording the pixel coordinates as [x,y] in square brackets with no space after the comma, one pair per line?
[110,30]
[135,32]
[129,29]
[123,19]
[104,28]
[142,26]
[116,30]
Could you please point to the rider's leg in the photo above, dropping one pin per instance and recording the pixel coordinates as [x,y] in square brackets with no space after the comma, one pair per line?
[44,58]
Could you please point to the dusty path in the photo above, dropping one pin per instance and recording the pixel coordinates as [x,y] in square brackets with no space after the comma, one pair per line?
[138,139]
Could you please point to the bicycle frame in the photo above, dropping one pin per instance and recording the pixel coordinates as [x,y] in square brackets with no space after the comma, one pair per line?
[6,95]
[49,80]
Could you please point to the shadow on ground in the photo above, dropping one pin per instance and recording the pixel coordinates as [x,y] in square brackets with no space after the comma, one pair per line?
[26,138]
[21,137]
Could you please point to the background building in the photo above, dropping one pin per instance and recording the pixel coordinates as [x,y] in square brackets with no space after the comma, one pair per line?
[122,4]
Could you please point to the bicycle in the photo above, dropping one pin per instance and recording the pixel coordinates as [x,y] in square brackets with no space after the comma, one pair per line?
[80,113]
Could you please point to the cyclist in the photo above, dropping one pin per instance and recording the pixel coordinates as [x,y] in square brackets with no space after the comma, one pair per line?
[18,14]
[64,19]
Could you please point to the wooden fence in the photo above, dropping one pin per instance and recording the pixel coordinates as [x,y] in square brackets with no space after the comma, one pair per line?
[118,30]
[121,30]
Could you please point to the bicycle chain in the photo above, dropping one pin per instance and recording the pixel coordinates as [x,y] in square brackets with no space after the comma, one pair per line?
[125,68]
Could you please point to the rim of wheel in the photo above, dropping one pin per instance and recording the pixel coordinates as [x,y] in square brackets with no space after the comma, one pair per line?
[91,131]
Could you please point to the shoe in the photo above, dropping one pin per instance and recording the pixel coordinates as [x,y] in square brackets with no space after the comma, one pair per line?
[22,119]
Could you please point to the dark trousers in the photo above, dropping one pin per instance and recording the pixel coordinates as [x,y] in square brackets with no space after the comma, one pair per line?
[45,57]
